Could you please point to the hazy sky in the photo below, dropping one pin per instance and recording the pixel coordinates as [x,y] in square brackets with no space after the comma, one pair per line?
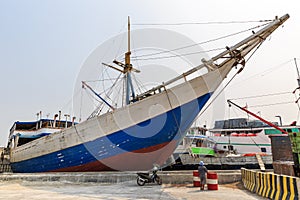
[44,43]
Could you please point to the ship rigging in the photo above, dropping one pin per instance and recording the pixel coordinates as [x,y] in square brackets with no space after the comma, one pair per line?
[131,94]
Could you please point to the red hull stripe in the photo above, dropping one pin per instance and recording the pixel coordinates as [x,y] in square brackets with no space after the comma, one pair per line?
[142,159]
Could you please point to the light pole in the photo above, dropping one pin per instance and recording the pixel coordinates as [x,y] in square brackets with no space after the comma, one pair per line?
[280,121]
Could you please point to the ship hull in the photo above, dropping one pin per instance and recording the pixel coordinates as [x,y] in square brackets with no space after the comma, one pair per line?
[243,145]
[134,137]
[115,152]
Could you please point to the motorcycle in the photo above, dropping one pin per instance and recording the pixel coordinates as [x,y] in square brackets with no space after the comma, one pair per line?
[143,178]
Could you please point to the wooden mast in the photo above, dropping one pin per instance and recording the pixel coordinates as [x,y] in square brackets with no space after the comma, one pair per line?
[127,64]
[127,54]
[128,68]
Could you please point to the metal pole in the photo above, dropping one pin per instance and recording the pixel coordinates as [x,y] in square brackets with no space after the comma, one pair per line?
[89,87]
[297,72]
[280,121]
[128,36]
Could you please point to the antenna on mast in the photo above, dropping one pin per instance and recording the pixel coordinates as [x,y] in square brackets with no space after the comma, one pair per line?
[128,37]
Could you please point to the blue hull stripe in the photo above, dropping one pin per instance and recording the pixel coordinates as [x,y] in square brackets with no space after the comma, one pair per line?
[172,126]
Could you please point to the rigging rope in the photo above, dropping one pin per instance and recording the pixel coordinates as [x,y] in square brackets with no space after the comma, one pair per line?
[200,23]
[80,108]
[272,104]
[107,93]
[106,79]
[238,71]
[105,70]
[173,56]
[172,110]
[217,95]
[264,95]
[255,143]
[272,69]
[204,42]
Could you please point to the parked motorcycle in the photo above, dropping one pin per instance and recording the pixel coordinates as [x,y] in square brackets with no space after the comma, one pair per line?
[143,178]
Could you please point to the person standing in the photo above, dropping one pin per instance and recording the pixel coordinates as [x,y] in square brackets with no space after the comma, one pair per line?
[202,170]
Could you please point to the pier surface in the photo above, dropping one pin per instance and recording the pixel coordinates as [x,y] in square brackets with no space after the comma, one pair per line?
[27,190]
[117,185]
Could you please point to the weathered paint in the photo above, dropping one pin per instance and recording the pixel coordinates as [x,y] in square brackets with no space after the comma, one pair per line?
[127,129]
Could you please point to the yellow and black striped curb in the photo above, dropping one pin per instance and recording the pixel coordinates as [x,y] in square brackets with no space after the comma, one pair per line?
[270,185]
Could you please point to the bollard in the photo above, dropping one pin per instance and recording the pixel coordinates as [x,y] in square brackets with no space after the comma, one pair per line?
[212,181]
[196,179]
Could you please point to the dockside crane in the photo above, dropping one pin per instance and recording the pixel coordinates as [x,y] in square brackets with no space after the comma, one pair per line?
[258,117]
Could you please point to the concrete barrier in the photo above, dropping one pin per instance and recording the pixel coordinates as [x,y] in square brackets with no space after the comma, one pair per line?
[168,177]
[186,176]
[270,185]
[249,180]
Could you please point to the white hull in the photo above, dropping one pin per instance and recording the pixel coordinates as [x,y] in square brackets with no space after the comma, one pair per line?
[124,118]
[244,144]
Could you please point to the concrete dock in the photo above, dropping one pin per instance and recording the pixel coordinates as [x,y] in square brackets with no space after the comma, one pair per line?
[12,190]
[169,177]
[117,185]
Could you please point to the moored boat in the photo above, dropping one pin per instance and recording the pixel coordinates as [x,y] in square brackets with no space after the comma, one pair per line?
[196,144]
[131,137]
[244,137]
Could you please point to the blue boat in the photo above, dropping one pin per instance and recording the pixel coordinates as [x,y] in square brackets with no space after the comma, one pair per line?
[129,138]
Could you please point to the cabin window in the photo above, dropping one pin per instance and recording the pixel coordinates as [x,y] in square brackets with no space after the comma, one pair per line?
[263,149]
[199,143]
[230,147]
[224,147]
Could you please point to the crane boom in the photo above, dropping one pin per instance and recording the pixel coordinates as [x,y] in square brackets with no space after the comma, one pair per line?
[258,117]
